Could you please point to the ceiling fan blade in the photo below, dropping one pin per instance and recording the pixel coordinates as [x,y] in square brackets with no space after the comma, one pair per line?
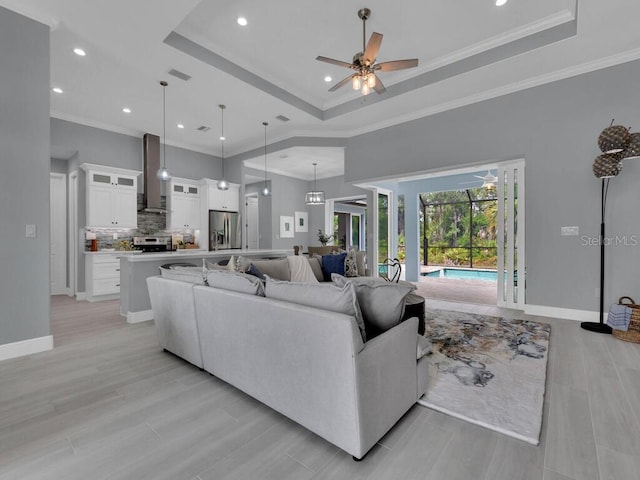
[341,83]
[379,86]
[340,63]
[371,52]
[396,65]
[481,178]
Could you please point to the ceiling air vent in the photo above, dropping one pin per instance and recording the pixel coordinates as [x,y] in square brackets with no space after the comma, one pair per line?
[179,74]
[203,128]
[282,118]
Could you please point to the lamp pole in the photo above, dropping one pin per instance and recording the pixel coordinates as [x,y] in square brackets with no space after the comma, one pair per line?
[601,327]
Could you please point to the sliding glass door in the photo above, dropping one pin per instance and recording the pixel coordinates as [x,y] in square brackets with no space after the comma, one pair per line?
[511,235]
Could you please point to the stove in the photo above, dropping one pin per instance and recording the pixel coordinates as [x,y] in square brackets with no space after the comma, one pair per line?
[156,244]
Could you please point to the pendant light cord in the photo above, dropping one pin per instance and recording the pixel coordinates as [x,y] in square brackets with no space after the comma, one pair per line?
[164,125]
[222,107]
[265,153]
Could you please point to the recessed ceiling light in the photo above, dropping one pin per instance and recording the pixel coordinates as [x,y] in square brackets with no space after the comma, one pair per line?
[327,79]
[180,125]
[242,21]
[58,90]
[499,3]
[79,51]
[126,110]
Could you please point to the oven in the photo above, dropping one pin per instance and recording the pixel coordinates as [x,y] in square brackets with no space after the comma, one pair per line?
[152,244]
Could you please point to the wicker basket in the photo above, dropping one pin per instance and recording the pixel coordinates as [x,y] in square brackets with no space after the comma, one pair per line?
[633,332]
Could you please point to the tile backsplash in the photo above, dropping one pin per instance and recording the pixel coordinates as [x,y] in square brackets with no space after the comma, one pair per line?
[148,224]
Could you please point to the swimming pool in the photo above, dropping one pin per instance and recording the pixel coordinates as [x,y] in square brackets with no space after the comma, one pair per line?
[464,273]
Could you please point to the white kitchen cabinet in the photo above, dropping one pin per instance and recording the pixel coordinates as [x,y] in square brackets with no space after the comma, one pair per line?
[228,200]
[102,276]
[184,204]
[111,197]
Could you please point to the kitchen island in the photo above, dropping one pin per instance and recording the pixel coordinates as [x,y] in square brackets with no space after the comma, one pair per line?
[134,270]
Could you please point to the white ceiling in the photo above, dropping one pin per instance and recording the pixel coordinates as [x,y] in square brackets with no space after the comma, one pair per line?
[468,51]
[298,162]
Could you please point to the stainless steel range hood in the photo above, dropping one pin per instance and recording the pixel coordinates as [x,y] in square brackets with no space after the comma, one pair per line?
[152,185]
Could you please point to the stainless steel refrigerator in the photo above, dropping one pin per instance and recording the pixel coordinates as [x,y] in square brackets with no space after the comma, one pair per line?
[225,230]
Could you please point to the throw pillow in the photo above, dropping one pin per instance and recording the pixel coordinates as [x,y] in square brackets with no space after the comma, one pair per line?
[235,281]
[253,270]
[315,262]
[319,295]
[333,264]
[300,269]
[381,302]
[350,264]
[361,260]
[275,268]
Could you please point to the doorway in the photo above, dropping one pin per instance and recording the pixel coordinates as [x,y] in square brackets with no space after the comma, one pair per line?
[58,234]
[252,224]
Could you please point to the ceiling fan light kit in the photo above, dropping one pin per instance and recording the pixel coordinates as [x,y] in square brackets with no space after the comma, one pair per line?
[364,62]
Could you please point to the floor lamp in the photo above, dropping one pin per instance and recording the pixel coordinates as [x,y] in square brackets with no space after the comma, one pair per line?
[617,144]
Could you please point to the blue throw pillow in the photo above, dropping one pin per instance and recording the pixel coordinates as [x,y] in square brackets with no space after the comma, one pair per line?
[333,264]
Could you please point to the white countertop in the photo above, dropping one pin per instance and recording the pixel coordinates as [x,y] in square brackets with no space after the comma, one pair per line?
[188,253]
[119,253]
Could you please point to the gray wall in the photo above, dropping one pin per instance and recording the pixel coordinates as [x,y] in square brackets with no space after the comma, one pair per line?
[102,147]
[287,197]
[554,128]
[24,183]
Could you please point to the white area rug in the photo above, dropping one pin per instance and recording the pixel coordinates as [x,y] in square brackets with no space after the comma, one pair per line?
[489,371]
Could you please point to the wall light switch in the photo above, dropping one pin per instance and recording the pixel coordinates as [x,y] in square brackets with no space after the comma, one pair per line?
[115,236]
[31,231]
[569,231]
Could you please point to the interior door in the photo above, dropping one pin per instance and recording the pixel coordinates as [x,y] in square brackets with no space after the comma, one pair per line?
[511,235]
[58,234]
[252,223]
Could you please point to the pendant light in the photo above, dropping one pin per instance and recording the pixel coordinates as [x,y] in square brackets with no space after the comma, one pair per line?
[222,184]
[163,174]
[315,197]
[265,191]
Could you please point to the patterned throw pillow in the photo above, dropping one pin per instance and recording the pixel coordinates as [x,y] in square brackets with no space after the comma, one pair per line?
[350,264]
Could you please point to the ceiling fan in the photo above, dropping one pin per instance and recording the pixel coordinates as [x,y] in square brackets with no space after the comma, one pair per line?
[364,62]
[488,181]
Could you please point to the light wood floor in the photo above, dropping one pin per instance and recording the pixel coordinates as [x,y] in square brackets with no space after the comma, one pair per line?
[108,403]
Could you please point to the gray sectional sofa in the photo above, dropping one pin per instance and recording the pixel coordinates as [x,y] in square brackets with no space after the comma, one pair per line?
[310,364]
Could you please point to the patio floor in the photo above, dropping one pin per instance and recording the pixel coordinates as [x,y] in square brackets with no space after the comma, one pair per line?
[457,290]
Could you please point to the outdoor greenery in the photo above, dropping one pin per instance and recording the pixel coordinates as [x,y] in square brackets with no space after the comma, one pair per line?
[454,224]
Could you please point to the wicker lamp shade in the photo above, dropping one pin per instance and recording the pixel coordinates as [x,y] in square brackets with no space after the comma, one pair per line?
[633,149]
[614,139]
[607,166]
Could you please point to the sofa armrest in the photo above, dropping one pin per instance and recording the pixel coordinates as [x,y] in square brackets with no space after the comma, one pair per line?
[386,380]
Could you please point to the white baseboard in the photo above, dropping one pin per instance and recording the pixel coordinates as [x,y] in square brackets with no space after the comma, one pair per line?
[565,313]
[142,316]
[81,296]
[26,347]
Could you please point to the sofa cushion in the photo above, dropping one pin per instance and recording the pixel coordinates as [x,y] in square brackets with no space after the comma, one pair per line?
[381,302]
[301,270]
[235,281]
[326,296]
[184,274]
[315,262]
[333,264]
[275,268]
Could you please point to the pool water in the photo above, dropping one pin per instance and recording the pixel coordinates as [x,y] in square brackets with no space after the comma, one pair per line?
[464,273]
